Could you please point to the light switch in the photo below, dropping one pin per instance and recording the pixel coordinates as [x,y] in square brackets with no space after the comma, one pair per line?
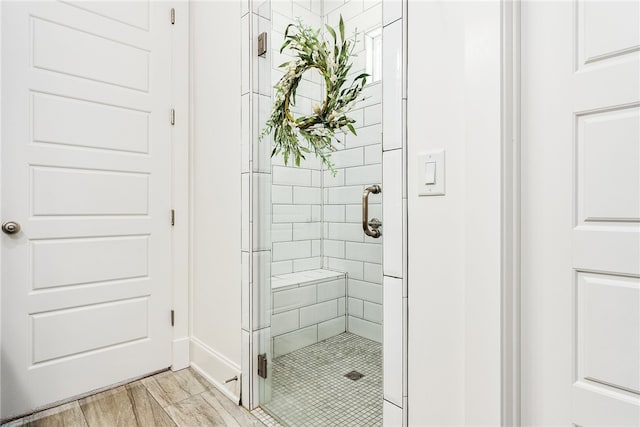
[431,168]
[430,173]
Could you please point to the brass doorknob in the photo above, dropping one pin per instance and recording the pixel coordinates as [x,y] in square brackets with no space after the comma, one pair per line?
[11,227]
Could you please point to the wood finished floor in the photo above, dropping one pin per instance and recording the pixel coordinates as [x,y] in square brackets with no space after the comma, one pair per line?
[182,398]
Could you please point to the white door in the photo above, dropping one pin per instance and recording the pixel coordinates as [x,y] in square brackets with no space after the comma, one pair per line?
[581,213]
[86,173]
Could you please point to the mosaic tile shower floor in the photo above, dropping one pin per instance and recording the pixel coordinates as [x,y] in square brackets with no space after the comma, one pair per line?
[309,387]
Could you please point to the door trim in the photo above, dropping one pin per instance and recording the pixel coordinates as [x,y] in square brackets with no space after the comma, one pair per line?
[511,214]
[1,198]
[180,184]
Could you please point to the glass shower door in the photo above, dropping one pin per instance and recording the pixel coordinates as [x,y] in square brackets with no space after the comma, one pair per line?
[322,295]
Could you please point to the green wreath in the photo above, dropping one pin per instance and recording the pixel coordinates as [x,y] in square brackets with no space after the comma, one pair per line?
[332,60]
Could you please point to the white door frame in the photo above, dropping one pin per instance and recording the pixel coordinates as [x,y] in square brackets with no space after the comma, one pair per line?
[180,184]
[0,197]
[510,208]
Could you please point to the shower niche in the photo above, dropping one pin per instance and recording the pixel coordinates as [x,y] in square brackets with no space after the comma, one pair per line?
[317,277]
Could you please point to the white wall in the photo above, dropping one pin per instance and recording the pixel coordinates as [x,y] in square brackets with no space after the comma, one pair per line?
[482,212]
[436,224]
[216,208]
[454,253]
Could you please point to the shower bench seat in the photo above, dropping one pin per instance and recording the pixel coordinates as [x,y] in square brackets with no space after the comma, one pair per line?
[307,307]
[303,278]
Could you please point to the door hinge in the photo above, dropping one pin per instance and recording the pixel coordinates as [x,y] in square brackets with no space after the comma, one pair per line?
[173,217]
[262,365]
[262,44]
[173,16]
[173,117]
[173,317]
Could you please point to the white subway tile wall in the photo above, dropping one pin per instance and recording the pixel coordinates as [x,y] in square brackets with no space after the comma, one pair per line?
[284,322]
[290,299]
[307,263]
[281,267]
[261,290]
[318,313]
[307,307]
[366,329]
[316,215]
[332,327]
[359,164]
[291,250]
[296,191]
[286,343]
[334,289]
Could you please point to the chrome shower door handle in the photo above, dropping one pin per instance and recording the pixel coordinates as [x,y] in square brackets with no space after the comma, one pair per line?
[375,223]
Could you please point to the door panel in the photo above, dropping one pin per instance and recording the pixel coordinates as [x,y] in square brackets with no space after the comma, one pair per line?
[86,171]
[66,262]
[71,51]
[581,213]
[67,121]
[607,334]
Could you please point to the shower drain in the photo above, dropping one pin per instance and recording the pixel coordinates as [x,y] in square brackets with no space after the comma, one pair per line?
[354,375]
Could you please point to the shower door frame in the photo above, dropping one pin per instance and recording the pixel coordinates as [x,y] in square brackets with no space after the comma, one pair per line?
[394,185]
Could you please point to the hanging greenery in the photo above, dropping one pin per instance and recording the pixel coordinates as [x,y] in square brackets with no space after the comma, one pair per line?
[332,59]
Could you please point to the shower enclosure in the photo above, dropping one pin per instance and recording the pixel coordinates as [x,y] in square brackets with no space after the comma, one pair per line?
[316,277]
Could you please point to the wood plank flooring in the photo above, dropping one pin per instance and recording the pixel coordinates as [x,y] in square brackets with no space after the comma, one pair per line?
[182,398]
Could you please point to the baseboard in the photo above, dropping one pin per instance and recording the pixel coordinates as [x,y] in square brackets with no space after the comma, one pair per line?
[216,368]
[180,354]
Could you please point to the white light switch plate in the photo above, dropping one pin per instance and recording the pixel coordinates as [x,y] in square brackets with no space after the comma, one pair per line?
[426,163]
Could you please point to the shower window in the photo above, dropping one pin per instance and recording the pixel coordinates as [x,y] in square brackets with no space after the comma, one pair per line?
[373,43]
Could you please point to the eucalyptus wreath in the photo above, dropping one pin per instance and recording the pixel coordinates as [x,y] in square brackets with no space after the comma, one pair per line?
[332,59]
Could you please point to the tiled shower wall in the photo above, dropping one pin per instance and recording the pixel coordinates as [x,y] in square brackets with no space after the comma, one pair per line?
[309,310]
[296,229]
[316,217]
[359,164]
